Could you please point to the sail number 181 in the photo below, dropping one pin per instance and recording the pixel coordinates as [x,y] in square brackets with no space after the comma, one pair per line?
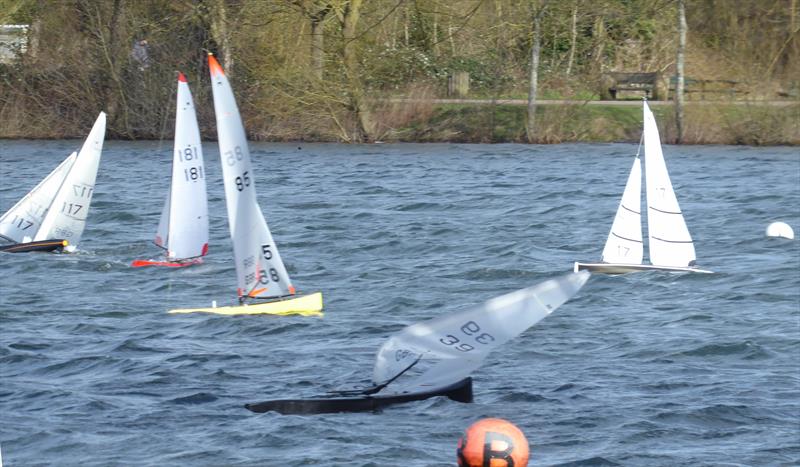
[187,154]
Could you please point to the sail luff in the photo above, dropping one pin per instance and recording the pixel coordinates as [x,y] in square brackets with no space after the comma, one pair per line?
[624,244]
[24,219]
[259,269]
[669,241]
[162,231]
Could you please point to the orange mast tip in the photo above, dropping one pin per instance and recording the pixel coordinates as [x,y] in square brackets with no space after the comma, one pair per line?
[181,77]
[213,66]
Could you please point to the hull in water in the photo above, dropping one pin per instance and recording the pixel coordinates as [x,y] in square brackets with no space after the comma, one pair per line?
[306,305]
[141,263]
[42,245]
[460,391]
[612,268]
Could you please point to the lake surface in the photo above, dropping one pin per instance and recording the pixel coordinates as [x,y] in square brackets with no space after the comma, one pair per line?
[642,369]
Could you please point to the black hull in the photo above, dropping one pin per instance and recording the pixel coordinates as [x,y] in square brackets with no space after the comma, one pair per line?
[459,392]
[42,245]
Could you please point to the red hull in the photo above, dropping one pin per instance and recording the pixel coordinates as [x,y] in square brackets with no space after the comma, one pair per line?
[140,263]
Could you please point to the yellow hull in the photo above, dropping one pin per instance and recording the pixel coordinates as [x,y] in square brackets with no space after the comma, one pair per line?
[306,305]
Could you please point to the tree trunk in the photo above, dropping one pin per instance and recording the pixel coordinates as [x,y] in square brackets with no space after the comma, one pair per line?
[599,35]
[573,37]
[317,43]
[349,20]
[679,69]
[219,31]
[530,129]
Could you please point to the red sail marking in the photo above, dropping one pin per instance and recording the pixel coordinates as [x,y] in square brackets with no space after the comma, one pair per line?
[214,67]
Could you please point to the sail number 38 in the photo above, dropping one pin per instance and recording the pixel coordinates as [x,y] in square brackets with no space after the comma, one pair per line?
[471,332]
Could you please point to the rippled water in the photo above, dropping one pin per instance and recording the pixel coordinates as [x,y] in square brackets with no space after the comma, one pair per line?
[647,369]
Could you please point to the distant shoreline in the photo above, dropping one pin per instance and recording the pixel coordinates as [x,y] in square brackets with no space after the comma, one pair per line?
[486,121]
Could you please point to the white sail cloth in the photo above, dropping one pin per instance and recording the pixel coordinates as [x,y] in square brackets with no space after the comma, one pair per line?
[183,229]
[21,223]
[670,243]
[66,217]
[259,269]
[441,351]
[624,244]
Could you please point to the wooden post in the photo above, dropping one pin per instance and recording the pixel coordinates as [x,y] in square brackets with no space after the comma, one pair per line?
[458,84]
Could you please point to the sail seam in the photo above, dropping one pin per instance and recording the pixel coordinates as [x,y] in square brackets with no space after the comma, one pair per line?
[625,238]
[629,209]
[664,212]
[671,241]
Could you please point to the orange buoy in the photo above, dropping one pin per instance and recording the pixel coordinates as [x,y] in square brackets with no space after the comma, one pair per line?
[493,442]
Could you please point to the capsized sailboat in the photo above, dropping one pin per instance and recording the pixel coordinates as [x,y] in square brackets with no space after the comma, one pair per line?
[264,286]
[670,244]
[52,216]
[183,228]
[436,357]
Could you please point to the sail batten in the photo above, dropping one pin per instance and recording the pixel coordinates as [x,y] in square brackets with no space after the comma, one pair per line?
[259,269]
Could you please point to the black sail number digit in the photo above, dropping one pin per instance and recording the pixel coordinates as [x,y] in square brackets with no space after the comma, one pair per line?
[472,330]
[243,181]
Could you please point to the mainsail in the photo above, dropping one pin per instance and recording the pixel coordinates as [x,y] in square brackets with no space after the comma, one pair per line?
[22,222]
[624,244]
[670,243]
[446,349]
[183,230]
[259,269]
[66,217]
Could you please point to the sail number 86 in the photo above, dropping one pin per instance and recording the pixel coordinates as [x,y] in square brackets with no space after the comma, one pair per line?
[472,330]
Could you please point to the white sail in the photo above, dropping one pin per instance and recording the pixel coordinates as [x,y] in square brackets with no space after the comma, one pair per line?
[259,269]
[669,240]
[162,231]
[444,350]
[185,214]
[66,218]
[22,221]
[624,244]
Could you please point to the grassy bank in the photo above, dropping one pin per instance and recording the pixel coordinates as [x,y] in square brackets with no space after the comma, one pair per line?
[428,121]
[705,124]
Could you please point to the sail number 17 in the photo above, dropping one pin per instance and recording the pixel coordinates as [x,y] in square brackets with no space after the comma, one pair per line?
[471,331]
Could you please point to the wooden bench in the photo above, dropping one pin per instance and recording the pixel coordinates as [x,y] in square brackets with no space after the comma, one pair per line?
[647,83]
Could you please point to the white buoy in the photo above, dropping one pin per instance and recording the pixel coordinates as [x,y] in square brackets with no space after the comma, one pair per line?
[780,229]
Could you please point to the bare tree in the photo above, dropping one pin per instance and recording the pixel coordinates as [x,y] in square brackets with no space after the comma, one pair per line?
[679,68]
[530,128]
[316,12]
[573,37]
[348,13]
